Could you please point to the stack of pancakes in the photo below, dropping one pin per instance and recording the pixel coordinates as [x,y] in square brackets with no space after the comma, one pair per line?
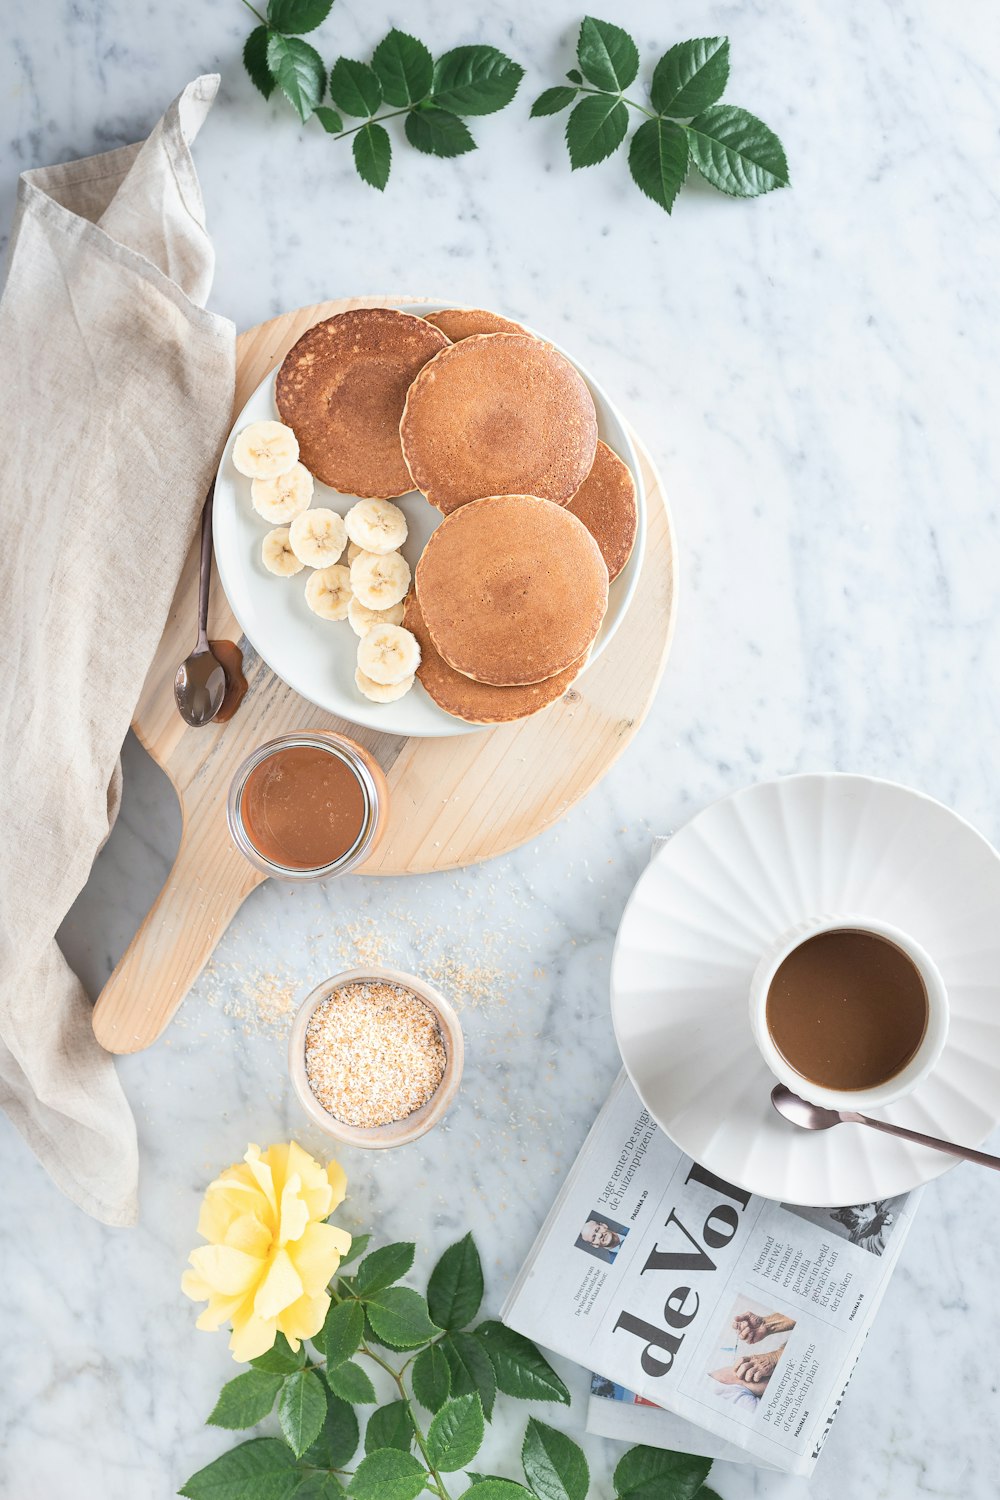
[499,432]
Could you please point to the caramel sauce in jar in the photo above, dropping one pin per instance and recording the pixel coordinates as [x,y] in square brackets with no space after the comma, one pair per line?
[307,806]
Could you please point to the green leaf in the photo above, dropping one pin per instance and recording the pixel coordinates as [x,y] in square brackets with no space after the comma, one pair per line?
[255,60]
[329,119]
[279,1359]
[431,1378]
[595,129]
[456,1434]
[263,1467]
[400,1318]
[388,1474]
[319,1487]
[553,100]
[470,1368]
[359,1242]
[574,75]
[383,1267]
[475,80]
[298,71]
[607,55]
[437,132]
[338,1440]
[554,1465]
[690,76]
[355,88]
[706,1493]
[373,155]
[296,16]
[736,152]
[351,1383]
[390,1427]
[493,1488]
[342,1332]
[455,1289]
[658,160]
[520,1369]
[245,1401]
[660,1474]
[405,68]
[301,1410]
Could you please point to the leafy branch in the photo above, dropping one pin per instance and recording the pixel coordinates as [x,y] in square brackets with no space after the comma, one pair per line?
[683,122]
[433,96]
[424,1349]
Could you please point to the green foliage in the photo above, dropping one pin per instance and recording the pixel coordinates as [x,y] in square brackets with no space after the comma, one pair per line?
[684,123]
[403,75]
[426,1350]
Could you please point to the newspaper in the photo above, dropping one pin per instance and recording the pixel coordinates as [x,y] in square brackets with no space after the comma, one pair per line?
[733,1314]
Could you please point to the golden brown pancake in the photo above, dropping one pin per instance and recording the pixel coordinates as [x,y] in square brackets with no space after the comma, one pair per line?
[458,323]
[479,702]
[512,588]
[342,389]
[605,503]
[498,414]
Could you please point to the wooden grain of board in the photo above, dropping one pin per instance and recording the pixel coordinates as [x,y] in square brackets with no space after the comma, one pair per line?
[454,801]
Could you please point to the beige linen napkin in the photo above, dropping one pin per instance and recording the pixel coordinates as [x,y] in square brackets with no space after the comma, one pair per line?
[116,397]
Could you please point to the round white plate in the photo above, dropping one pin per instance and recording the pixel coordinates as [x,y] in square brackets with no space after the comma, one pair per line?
[318,657]
[725,886]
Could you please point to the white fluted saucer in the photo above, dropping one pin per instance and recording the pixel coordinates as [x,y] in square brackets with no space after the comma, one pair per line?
[717,895]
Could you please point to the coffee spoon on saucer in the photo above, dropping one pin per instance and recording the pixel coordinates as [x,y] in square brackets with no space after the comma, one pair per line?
[814,1117]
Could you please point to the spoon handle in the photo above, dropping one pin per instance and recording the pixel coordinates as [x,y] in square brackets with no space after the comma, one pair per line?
[965,1153]
[205,569]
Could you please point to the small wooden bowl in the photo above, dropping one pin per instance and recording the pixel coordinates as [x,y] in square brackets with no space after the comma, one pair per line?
[397,1132]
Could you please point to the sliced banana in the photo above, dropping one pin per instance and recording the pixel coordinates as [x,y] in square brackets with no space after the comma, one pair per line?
[284,497]
[318,537]
[265,449]
[388,653]
[362,618]
[328,592]
[379,580]
[277,555]
[376,525]
[352,551]
[381,692]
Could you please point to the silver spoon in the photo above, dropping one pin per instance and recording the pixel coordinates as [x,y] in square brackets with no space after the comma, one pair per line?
[813,1117]
[200,683]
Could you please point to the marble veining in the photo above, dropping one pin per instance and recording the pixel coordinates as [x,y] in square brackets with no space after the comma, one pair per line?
[816,375]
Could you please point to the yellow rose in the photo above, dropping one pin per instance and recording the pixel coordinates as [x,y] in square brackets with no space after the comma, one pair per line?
[270,1255]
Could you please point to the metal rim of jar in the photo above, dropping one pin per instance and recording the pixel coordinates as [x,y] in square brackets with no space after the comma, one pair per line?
[351,756]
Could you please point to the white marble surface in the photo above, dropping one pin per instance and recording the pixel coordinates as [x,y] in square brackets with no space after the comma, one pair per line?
[816,373]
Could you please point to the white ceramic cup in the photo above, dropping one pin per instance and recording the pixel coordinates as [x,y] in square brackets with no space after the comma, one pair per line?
[922,1061]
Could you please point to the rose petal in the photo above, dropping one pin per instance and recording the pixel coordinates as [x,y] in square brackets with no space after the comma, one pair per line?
[304,1318]
[252,1336]
[280,1287]
[294,1214]
[316,1256]
[227,1270]
[249,1234]
[262,1175]
[219,1310]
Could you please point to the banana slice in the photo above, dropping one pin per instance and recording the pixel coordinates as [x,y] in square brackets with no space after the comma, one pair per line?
[265,449]
[379,580]
[381,692]
[328,592]
[376,525]
[388,653]
[362,618]
[284,497]
[318,537]
[352,551]
[277,556]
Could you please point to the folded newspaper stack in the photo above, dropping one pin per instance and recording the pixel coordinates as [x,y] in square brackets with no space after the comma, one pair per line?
[720,1323]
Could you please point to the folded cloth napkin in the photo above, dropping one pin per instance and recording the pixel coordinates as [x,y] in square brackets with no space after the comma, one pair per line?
[116,398]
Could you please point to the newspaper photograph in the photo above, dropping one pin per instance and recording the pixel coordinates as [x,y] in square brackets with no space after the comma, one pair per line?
[739,1316]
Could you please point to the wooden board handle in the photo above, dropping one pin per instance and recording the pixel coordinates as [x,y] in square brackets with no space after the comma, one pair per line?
[208,884]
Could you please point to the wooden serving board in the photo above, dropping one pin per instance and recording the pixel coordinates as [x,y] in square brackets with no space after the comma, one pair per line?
[454,801]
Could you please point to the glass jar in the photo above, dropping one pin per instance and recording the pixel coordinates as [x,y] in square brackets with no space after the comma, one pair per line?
[374,804]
